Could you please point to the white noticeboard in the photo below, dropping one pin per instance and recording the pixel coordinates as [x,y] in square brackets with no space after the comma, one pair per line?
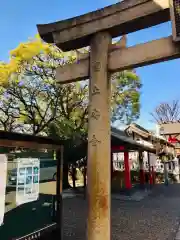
[27,186]
[3,177]
[152,159]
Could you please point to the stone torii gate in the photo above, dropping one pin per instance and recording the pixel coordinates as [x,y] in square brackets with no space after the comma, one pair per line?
[96,30]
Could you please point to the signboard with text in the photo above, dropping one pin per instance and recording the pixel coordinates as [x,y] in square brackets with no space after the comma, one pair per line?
[27,187]
[152,159]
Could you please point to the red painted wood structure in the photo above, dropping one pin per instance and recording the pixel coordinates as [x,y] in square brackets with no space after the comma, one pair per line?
[122,143]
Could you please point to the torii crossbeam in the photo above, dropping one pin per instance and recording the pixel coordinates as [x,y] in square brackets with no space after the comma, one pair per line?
[96,30]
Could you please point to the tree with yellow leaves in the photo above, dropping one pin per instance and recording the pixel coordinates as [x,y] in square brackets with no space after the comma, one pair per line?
[22,54]
[57,110]
[29,79]
[30,74]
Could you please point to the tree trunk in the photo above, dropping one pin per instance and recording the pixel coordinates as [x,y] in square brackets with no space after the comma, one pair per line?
[74,176]
[65,176]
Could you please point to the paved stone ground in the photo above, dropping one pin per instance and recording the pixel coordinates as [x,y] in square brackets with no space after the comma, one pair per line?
[156,217]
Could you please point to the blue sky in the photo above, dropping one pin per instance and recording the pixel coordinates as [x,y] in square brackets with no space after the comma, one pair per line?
[18,21]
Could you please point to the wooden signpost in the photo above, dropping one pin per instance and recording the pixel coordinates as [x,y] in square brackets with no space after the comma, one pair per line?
[96,30]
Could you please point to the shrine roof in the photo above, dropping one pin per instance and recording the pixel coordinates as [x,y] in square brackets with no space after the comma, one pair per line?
[117,138]
[13,139]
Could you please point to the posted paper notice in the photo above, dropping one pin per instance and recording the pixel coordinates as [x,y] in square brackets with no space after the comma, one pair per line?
[27,187]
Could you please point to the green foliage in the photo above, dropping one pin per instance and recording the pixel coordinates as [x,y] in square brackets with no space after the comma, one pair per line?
[37,102]
[125,102]
[9,111]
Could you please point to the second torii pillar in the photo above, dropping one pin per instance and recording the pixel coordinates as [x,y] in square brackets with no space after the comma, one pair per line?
[99,141]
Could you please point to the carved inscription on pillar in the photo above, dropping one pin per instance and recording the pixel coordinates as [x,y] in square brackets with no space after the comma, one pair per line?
[95,114]
[94,141]
[96,66]
[95,90]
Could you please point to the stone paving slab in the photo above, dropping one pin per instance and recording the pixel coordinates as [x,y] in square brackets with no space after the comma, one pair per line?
[155,217]
[70,193]
[137,196]
[177,237]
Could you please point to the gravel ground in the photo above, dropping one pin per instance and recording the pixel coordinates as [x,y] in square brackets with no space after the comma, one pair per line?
[156,217]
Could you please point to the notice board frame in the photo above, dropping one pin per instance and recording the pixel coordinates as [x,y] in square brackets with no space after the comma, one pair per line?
[19,140]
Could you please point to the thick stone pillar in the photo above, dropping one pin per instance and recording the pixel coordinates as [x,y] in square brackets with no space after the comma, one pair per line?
[99,145]
[127,173]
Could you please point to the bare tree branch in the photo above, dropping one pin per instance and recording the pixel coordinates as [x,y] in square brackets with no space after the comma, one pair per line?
[167,112]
